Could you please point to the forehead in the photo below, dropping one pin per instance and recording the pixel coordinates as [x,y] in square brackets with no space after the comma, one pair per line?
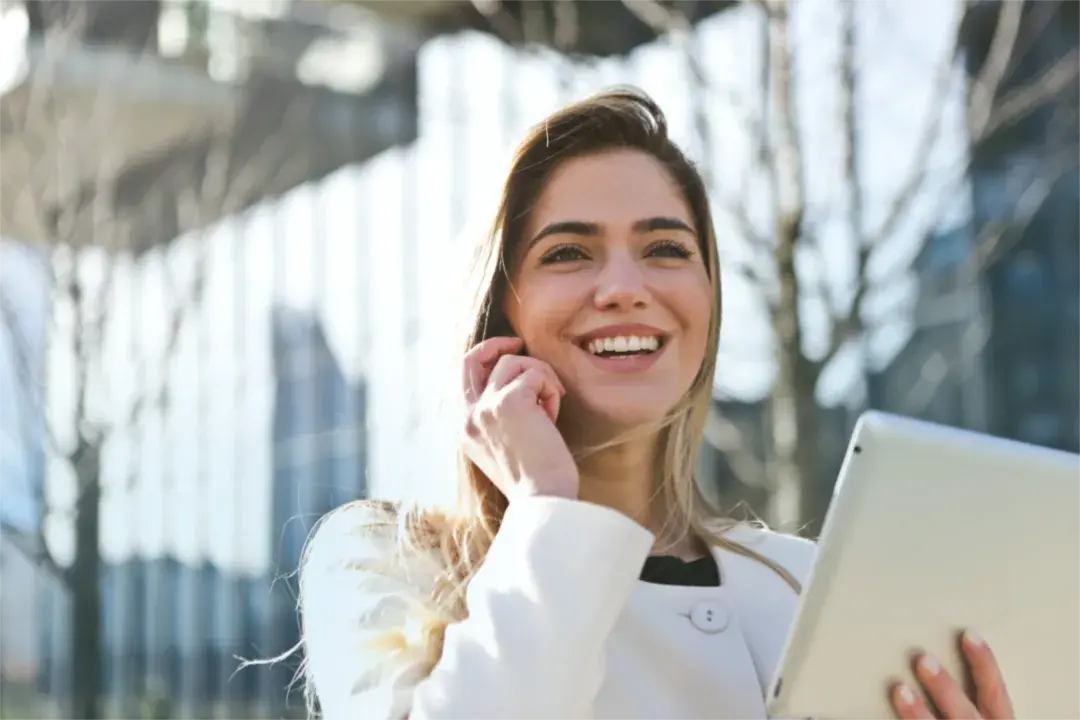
[615,187]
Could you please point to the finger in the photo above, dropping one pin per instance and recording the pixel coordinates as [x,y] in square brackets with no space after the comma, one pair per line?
[506,369]
[480,360]
[991,695]
[944,691]
[538,384]
[907,703]
[510,366]
[550,403]
[548,394]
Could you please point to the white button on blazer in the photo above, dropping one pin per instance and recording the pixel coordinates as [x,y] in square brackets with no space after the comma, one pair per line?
[559,624]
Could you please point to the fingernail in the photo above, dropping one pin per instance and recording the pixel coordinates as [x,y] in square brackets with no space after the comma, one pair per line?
[904,696]
[929,665]
[973,639]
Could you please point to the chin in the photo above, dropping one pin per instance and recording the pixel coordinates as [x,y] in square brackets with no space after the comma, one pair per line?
[623,410]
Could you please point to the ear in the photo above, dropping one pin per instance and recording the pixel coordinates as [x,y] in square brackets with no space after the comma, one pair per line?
[504,328]
[510,307]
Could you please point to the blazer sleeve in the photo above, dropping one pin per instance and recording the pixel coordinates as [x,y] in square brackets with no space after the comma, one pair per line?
[539,611]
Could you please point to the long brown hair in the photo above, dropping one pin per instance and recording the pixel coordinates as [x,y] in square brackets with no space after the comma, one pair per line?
[623,118]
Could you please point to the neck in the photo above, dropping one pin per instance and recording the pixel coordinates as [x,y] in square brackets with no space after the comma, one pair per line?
[623,478]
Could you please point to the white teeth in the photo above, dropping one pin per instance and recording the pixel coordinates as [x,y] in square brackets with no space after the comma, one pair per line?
[623,344]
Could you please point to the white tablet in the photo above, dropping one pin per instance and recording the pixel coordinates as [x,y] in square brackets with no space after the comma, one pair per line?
[932,530]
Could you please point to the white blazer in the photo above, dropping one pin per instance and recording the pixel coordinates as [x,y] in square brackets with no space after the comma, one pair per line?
[559,624]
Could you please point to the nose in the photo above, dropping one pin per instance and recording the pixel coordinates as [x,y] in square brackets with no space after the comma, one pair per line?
[621,284]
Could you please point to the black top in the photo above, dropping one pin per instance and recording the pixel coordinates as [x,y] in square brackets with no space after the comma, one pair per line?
[671,570]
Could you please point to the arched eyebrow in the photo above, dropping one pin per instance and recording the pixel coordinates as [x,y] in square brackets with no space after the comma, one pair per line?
[587,229]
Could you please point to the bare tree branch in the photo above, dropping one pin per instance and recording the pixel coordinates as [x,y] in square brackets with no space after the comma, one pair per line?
[35,549]
[501,20]
[1023,100]
[924,146]
[846,326]
[661,19]
[31,383]
[984,88]
[987,112]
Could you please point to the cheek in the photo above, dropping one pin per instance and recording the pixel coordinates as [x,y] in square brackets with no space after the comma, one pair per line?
[694,304]
[691,298]
[545,309]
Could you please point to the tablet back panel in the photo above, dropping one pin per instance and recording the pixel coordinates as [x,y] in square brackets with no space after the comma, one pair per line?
[933,530]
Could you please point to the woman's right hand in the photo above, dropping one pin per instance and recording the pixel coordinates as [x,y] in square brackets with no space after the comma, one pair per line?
[512,403]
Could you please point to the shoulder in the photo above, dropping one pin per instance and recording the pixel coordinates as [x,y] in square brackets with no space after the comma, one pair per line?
[370,626]
[793,553]
[765,601]
[364,529]
[363,539]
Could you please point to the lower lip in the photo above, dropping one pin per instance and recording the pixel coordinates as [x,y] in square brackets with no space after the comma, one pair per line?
[627,364]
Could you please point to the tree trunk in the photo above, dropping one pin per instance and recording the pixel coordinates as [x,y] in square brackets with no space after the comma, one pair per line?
[796,503]
[816,487]
[793,407]
[85,588]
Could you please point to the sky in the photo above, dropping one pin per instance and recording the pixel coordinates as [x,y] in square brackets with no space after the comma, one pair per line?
[340,249]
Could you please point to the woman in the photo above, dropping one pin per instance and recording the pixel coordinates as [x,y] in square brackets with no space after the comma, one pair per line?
[583,573]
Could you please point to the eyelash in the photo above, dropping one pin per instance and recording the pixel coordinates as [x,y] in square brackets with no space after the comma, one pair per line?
[552,255]
[678,248]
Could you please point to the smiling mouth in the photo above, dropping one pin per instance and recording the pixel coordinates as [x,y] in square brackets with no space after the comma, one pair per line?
[623,345]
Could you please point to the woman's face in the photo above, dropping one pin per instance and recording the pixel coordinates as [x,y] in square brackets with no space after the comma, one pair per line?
[609,287]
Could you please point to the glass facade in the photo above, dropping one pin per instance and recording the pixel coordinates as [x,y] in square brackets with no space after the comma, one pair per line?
[1032,356]
[319,464]
[24,298]
[1006,362]
[173,630]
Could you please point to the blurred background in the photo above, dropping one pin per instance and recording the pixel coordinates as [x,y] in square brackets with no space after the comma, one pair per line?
[227,228]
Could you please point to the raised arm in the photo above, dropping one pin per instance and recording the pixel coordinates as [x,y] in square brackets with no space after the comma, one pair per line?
[539,612]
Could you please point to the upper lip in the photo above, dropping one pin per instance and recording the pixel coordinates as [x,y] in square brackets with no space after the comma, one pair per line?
[635,330]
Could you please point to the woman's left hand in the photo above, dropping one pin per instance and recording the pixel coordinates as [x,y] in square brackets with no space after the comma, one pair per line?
[991,699]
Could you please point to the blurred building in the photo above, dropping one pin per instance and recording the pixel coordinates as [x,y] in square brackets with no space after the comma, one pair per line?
[320,462]
[939,374]
[173,630]
[22,457]
[275,93]
[19,614]
[279,95]
[581,27]
[997,334]
[733,465]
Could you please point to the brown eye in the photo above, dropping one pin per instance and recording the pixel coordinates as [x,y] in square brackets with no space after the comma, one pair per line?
[670,249]
[562,253]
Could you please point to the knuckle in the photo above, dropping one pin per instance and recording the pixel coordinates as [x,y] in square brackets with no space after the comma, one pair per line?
[514,398]
[529,378]
[488,410]
[471,428]
[507,400]
[507,361]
